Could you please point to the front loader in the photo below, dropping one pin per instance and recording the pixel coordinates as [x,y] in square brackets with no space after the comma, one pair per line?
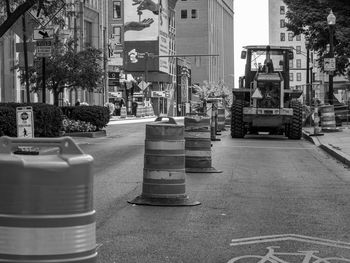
[264,101]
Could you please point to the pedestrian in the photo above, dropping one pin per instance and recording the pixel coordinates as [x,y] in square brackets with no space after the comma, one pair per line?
[117,107]
[134,107]
[77,103]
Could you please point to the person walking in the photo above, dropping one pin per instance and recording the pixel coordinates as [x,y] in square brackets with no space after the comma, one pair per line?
[134,107]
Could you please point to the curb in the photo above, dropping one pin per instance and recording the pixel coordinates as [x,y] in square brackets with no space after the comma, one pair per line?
[340,156]
[330,149]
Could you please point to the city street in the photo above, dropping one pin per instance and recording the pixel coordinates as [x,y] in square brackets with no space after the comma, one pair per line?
[272,192]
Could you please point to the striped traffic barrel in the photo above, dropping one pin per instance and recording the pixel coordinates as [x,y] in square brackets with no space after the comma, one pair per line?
[123,112]
[164,176]
[46,203]
[327,117]
[198,144]
[139,111]
[214,123]
[221,119]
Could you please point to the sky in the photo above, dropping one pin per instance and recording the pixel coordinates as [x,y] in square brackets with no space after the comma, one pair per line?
[250,28]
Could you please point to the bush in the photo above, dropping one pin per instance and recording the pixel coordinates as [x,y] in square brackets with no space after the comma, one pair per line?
[47,119]
[78,126]
[95,115]
[8,121]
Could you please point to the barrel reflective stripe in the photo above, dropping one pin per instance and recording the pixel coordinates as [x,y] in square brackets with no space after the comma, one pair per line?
[198,153]
[199,135]
[48,241]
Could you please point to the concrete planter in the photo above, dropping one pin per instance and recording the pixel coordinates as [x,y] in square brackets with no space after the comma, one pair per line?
[95,134]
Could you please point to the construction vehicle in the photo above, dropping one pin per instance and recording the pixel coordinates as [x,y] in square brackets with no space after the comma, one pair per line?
[264,101]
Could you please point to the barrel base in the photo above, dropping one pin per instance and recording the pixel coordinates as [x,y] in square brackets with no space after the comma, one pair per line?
[140,200]
[331,129]
[202,170]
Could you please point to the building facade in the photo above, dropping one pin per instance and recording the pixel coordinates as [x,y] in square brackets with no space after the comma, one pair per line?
[318,80]
[206,28]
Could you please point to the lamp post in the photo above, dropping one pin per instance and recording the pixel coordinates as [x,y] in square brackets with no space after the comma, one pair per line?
[331,19]
[307,73]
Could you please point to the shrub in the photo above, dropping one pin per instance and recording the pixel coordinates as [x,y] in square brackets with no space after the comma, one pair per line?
[77,126]
[96,115]
[47,119]
[8,121]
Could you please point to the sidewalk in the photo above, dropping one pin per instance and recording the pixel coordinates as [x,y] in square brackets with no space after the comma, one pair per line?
[337,144]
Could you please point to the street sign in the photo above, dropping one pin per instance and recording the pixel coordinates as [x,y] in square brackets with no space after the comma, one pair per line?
[40,34]
[113,75]
[329,64]
[43,48]
[143,85]
[25,123]
[157,94]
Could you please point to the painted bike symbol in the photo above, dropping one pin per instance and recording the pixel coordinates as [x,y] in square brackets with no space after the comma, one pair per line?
[273,257]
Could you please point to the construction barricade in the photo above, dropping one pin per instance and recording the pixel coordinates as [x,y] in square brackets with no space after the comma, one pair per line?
[221,119]
[123,112]
[198,144]
[214,123]
[164,166]
[46,203]
[327,118]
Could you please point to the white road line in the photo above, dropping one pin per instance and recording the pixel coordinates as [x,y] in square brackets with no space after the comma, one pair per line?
[293,237]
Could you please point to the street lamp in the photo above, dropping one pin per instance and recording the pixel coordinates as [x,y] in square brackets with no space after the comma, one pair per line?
[307,72]
[331,19]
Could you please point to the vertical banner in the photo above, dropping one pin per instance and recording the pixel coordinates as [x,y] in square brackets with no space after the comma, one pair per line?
[146,29]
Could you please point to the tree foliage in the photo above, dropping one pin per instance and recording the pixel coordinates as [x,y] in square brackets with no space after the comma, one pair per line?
[309,17]
[12,10]
[67,69]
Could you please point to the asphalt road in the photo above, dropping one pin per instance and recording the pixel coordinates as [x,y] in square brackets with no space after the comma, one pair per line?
[272,192]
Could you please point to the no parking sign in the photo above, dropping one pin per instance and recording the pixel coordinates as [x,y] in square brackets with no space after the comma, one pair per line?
[25,123]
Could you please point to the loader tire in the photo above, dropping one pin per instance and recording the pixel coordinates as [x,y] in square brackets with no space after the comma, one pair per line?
[237,124]
[295,128]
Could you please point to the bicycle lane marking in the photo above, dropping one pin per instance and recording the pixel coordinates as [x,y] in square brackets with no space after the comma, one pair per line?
[305,255]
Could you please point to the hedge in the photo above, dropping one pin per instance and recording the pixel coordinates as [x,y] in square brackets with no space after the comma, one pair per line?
[47,119]
[96,115]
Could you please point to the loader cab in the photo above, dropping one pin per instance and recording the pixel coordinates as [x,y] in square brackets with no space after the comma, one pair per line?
[267,59]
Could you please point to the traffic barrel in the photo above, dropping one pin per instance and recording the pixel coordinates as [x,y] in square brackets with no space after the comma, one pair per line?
[164,176]
[328,118]
[214,123]
[123,112]
[198,144]
[139,111]
[221,119]
[46,203]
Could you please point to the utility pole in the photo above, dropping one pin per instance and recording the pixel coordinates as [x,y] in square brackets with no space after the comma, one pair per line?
[25,51]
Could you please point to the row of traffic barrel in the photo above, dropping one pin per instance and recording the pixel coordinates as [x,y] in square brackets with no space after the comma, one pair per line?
[141,111]
[46,201]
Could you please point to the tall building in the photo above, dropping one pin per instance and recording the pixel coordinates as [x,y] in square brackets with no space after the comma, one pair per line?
[278,35]
[206,28]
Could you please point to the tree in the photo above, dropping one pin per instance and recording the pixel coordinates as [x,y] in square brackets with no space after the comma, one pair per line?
[12,10]
[67,69]
[213,90]
[309,17]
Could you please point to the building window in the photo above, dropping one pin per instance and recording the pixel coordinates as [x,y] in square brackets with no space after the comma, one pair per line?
[194,13]
[283,36]
[298,49]
[298,63]
[116,36]
[117,10]
[298,76]
[291,63]
[298,38]
[282,10]
[290,36]
[183,14]
[282,23]
[291,77]
[88,33]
